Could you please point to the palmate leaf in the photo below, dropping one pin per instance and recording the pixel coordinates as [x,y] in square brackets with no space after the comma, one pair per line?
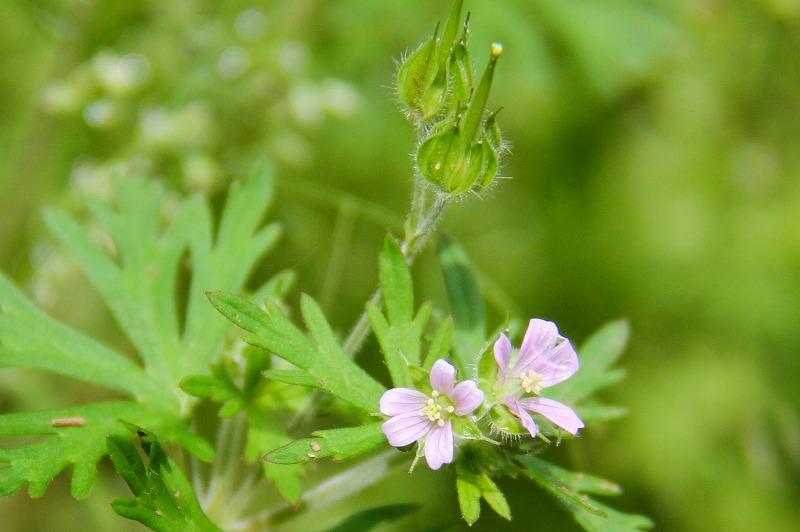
[137,278]
[165,500]
[399,332]
[573,490]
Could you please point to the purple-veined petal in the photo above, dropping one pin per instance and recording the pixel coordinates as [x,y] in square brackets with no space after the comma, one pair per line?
[539,338]
[558,413]
[502,355]
[527,421]
[402,400]
[555,365]
[406,428]
[443,376]
[467,397]
[439,446]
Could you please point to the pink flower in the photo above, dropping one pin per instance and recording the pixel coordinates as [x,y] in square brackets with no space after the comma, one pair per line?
[545,359]
[415,415]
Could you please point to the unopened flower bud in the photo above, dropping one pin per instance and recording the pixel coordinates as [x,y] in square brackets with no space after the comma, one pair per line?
[462,152]
[462,76]
[415,77]
[422,80]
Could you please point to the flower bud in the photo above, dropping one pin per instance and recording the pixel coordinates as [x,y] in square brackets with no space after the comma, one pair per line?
[462,76]
[422,80]
[461,153]
[416,75]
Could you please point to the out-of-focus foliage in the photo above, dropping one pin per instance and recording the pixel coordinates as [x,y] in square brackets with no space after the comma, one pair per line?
[654,176]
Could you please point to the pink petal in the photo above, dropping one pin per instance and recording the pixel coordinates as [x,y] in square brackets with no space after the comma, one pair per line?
[502,354]
[467,397]
[555,365]
[402,400]
[443,376]
[406,428]
[527,421]
[558,413]
[540,337]
[439,446]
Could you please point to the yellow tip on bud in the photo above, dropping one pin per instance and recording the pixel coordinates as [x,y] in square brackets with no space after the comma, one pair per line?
[496,49]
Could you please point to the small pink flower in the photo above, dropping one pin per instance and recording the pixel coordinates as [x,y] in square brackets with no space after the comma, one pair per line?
[545,359]
[415,415]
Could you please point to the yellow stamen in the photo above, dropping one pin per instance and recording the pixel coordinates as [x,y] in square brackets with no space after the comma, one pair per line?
[532,382]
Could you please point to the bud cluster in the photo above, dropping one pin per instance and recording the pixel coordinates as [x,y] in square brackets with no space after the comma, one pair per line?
[461,143]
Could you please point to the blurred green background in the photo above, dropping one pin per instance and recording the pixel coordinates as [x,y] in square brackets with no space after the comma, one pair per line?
[654,169]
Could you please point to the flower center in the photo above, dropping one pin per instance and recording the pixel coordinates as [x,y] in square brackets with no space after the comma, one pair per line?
[532,382]
[435,410]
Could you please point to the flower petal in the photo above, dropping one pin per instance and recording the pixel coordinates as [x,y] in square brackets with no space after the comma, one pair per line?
[502,354]
[439,446]
[540,337]
[555,365]
[558,413]
[443,376]
[402,400]
[406,428]
[467,397]
[527,421]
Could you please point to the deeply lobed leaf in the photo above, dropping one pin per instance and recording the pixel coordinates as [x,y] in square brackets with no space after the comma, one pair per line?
[136,274]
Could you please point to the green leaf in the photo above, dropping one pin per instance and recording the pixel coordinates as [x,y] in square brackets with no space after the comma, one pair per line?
[321,356]
[399,332]
[340,444]
[225,263]
[597,356]
[472,484]
[218,387]
[469,499]
[370,519]
[76,436]
[572,491]
[466,303]
[134,265]
[292,376]
[266,434]
[165,500]
[395,278]
[440,344]
[31,339]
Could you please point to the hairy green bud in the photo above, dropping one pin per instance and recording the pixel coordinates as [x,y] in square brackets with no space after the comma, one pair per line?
[461,152]
[423,80]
